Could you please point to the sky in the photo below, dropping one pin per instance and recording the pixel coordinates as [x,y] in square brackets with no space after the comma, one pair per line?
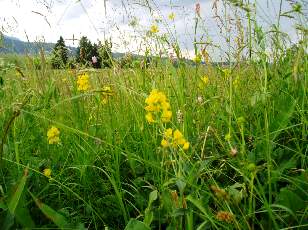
[98,19]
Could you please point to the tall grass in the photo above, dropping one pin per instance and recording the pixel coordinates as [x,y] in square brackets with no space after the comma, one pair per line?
[246,122]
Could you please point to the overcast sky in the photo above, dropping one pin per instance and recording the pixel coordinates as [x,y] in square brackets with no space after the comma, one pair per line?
[48,19]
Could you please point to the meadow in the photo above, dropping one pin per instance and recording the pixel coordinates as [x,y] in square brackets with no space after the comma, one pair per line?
[165,146]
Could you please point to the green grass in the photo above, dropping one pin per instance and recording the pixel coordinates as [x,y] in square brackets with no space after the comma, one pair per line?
[246,167]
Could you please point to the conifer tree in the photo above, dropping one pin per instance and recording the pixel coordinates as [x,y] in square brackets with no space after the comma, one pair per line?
[59,54]
[84,51]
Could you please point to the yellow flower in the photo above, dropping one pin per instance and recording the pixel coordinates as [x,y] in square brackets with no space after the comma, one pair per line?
[153,97]
[83,83]
[157,102]
[198,58]
[166,116]
[53,135]
[104,100]
[236,82]
[154,29]
[226,72]
[47,172]
[171,16]
[165,105]
[176,139]
[164,143]
[149,118]
[152,108]
[168,133]
[107,90]
[205,80]
[106,93]
[186,145]
[177,135]
[181,141]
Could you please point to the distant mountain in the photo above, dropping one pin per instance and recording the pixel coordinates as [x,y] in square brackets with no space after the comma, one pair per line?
[9,45]
[14,45]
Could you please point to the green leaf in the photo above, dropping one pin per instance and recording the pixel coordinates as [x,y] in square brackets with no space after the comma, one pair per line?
[285,107]
[8,222]
[290,200]
[134,224]
[203,225]
[152,197]
[148,217]
[179,212]
[237,192]
[14,199]
[51,214]
[148,214]
[181,185]
[197,203]
[22,215]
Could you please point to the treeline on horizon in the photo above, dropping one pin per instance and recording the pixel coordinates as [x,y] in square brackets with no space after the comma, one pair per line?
[100,55]
[92,55]
[87,54]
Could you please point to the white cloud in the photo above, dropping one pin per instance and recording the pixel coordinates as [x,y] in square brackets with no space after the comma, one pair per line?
[52,18]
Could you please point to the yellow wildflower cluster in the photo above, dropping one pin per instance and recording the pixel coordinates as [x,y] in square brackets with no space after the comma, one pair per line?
[47,172]
[157,103]
[174,139]
[204,82]
[154,29]
[106,93]
[171,16]
[198,59]
[83,83]
[53,135]
[226,72]
[236,82]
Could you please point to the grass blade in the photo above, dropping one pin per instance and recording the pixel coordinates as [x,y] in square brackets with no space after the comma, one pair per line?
[14,200]
[51,214]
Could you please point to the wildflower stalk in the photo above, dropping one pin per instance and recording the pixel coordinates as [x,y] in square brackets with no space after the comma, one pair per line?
[230,101]
[243,145]
[278,27]
[195,41]
[250,34]
[267,140]
[251,200]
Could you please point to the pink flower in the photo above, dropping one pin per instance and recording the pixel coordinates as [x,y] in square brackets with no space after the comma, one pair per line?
[94,59]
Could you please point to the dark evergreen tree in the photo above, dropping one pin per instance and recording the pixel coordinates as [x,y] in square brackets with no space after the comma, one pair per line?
[59,54]
[84,51]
